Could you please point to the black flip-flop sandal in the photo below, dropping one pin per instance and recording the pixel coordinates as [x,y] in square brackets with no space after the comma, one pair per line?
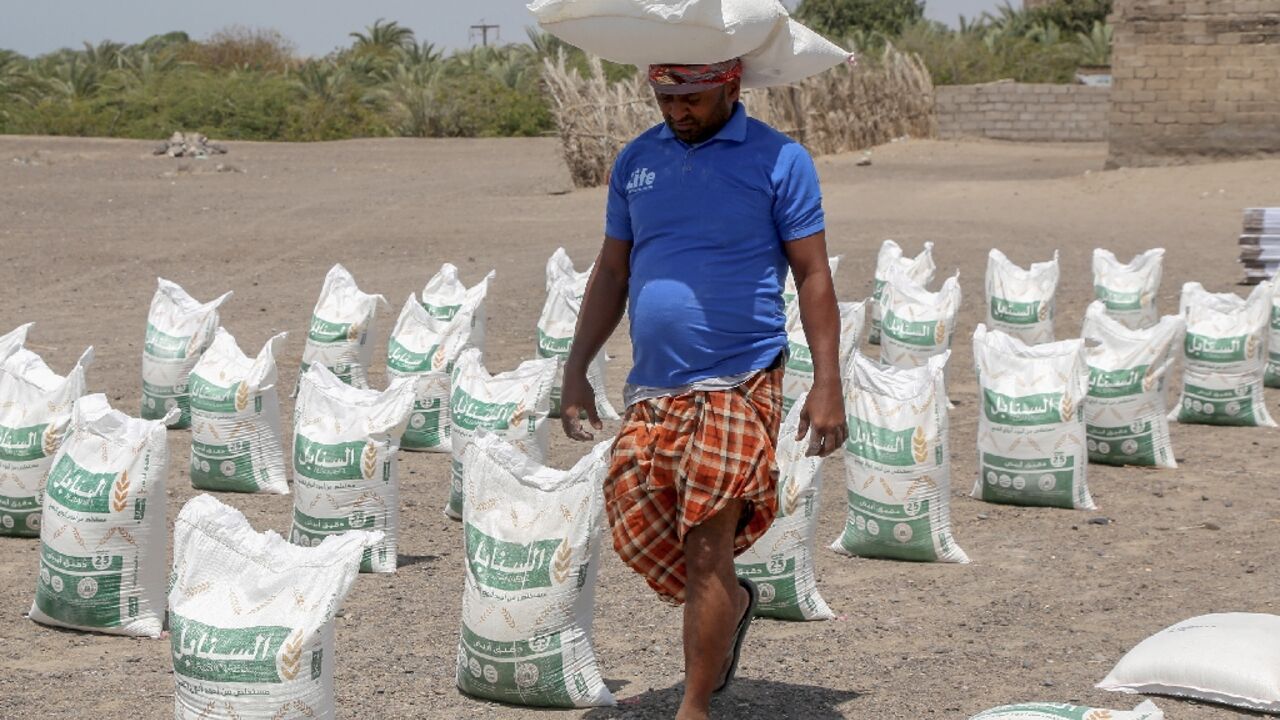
[753,596]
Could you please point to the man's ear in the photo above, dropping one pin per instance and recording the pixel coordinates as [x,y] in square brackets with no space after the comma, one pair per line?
[733,90]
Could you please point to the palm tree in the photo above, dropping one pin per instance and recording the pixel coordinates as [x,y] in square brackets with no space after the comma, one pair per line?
[383,38]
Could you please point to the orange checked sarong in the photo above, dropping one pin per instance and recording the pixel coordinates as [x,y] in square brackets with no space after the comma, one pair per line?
[679,460]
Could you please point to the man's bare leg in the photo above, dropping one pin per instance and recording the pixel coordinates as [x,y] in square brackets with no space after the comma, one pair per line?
[714,603]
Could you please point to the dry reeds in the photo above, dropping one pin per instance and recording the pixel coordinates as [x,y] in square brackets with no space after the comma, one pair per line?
[849,108]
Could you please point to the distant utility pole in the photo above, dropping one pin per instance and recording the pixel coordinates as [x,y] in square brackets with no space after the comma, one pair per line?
[482,30]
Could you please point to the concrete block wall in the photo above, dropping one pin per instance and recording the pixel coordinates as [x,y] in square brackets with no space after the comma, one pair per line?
[1023,111]
[1194,79]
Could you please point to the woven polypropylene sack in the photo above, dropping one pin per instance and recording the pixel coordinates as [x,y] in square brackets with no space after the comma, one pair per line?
[103,532]
[1031,431]
[1128,290]
[556,327]
[1125,416]
[345,477]
[1062,711]
[425,347]
[236,441]
[1020,301]
[14,340]
[919,269]
[341,332]
[1224,356]
[781,562]
[917,324]
[560,269]
[252,617]
[789,285]
[35,409]
[797,379]
[1227,658]
[179,328]
[532,550]
[513,405]
[444,296]
[1271,377]
[897,464]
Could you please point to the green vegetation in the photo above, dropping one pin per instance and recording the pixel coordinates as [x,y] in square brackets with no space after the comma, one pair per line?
[840,18]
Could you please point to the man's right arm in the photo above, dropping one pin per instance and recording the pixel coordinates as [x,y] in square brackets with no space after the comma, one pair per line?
[602,307]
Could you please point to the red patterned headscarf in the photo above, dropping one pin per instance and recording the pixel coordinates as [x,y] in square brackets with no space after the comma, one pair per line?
[688,79]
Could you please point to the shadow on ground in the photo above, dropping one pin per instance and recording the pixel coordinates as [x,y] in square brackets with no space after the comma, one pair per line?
[746,698]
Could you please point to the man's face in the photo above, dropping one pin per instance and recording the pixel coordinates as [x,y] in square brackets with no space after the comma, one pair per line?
[695,117]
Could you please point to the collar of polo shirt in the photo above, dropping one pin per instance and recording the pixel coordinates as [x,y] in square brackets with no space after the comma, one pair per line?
[734,130]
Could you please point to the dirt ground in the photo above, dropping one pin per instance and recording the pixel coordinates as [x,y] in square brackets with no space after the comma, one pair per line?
[1049,603]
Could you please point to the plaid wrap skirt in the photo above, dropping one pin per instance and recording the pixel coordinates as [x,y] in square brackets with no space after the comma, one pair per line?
[679,460]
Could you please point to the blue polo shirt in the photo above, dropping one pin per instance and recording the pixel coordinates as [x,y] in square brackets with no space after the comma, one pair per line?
[707,224]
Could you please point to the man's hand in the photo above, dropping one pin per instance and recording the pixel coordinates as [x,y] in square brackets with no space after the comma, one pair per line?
[823,413]
[577,397]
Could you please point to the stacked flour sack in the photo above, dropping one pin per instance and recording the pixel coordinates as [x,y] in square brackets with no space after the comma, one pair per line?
[425,343]
[892,261]
[339,337]
[1224,357]
[179,328]
[102,535]
[35,409]
[797,378]
[556,327]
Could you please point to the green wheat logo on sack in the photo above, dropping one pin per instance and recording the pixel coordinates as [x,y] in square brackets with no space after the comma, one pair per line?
[1118,301]
[1018,313]
[549,346]
[1039,409]
[337,461]
[1219,350]
[888,447]
[919,334]
[471,414]
[163,346]
[25,444]
[402,359]
[1118,383]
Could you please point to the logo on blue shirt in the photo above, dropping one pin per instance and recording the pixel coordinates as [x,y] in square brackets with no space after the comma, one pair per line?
[641,180]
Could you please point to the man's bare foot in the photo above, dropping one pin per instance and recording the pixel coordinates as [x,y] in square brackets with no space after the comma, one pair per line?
[744,600]
[684,714]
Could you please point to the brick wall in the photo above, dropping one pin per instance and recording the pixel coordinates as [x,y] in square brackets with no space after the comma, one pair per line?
[1022,111]
[1194,79]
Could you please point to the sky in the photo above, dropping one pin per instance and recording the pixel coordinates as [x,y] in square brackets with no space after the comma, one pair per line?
[32,27]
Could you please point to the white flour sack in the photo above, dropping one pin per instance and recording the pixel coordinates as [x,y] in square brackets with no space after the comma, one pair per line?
[1271,378]
[344,462]
[797,379]
[1224,357]
[445,295]
[1020,303]
[560,269]
[513,405]
[102,536]
[1031,431]
[251,617]
[425,347]
[179,328]
[789,285]
[556,327]
[236,442]
[1125,415]
[341,329]
[919,269]
[897,468]
[532,541]
[781,562]
[13,340]
[1129,289]
[1227,658]
[916,324]
[35,408]
[1061,711]
[775,49]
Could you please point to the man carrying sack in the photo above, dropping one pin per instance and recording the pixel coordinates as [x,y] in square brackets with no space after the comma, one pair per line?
[705,214]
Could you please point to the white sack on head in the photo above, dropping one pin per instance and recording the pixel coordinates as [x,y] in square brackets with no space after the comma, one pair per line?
[556,327]
[789,285]
[1226,658]
[236,441]
[35,408]
[445,295]
[781,562]
[345,476]
[1128,290]
[103,532]
[252,617]
[890,259]
[897,464]
[531,536]
[179,328]
[1125,415]
[1031,432]
[1063,711]
[342,328]
[797,379]
[1224,357]
[775,49]
[916,324]
[513,405]
[1020,302]
[426,347]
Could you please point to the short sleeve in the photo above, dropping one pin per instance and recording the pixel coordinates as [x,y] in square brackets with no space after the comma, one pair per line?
[617,220]
[797,197]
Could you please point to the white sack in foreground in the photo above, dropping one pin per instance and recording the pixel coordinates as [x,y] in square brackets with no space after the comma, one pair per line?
[1224,357]
[1227,658]
[1062,711]
[179,328]
[532,552]
[251,617]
